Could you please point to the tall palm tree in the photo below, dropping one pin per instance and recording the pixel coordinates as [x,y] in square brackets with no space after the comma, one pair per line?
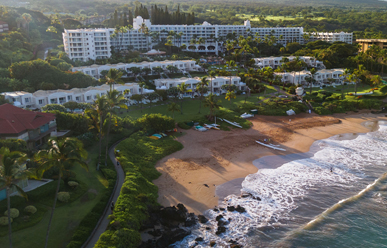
[230,64]
[114,99]
[11,171]
[145,30]
[61,154]
[142,85]
[113,76]
[201,87]
[212,103]
[312,72]
[172,108]
[212,75]
[97,116]
[27,19]
[183,88]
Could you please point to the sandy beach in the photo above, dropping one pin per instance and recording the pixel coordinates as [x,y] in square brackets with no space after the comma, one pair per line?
[212,158]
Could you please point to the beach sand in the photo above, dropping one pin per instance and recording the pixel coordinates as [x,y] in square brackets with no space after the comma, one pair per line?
[212,158]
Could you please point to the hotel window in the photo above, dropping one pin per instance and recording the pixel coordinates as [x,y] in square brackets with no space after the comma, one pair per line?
[26,100]
[41,101]
[88,98]
[77,98]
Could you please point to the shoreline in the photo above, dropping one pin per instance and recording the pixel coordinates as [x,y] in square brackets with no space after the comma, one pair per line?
[212,164]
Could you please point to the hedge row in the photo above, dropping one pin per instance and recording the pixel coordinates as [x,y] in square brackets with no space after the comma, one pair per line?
[342,106]
[138,155]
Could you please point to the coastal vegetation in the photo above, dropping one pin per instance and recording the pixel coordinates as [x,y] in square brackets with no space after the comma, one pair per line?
[138,155]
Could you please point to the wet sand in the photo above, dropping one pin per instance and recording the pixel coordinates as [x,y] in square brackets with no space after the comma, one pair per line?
[212,158]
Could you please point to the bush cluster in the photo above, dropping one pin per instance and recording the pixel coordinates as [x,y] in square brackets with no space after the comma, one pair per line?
[30,209]
[14,213]
[4,221]
[63,196]
[72,184]
[183,125]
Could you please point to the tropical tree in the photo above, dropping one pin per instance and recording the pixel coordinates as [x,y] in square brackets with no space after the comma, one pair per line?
[12,169]
[230,65]
[376,80]
[142,85]
[202,89]
[114,99]
[172,107]
[312,72]
[183,88]
[97,116]
[212,103]
[212,75]
[113,76]
[61,154]
[27,19]
[51,29]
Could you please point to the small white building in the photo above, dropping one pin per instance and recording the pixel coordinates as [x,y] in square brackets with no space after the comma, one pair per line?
[322,77]
[275,62]
[217,83]
[182,65]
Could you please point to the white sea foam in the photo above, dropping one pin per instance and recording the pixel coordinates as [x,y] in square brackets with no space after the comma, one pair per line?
[278,188]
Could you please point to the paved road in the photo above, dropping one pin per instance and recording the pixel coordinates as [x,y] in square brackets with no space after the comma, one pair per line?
[105,221]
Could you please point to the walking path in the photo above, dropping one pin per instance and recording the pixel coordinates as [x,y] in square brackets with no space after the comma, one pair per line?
[104,221]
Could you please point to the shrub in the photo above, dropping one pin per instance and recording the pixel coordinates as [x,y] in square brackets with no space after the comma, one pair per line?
[156,122]
[64,196]
[4,221]
[73,184]
[109,173]
[183,125]
[30,209]
[14,213]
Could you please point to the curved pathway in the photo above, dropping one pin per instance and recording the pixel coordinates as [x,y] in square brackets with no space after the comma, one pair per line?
[104,221]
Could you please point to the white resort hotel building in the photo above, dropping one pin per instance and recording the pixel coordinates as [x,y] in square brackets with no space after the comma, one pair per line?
[92,44]
[322,77]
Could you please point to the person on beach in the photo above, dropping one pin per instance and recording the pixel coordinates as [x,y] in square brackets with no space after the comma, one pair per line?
[331,169]
[118,163]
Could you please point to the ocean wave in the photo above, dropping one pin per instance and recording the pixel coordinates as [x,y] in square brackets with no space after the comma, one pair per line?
[273,192]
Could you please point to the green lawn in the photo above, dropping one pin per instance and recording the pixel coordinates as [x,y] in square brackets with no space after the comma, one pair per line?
[66,217]
[191,107]
[361,88]
[275,18]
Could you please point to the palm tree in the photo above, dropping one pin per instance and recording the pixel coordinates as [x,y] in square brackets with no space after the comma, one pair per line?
[142,85]
[201,87]
[346,75]
[145,30]
[114,99]
[172,108]
[183,88]
[212,103]
[230,64]
[61,154]
[97,116]
[230,95]
[27,19]
[11,171]
[312,72]
[212,75]
[113,76]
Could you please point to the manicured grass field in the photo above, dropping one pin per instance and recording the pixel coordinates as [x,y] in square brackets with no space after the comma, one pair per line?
[191,107]
[275,18]
[361,88]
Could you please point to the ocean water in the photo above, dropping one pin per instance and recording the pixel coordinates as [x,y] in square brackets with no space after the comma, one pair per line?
[334,196]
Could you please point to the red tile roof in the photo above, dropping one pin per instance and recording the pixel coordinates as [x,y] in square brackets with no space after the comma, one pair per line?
[14,120]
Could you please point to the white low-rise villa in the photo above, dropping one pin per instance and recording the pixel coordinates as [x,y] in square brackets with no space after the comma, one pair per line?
[182,65]
[275,62]
[41,98]
[217,82]
[322,77]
